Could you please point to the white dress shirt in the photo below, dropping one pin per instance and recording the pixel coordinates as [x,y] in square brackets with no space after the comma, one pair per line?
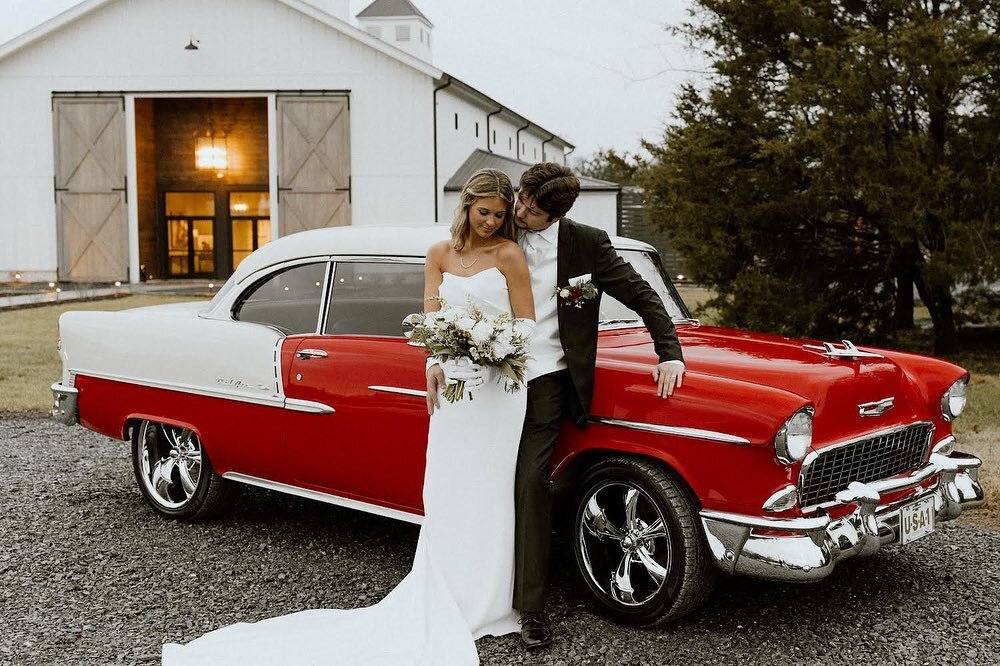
[541,248]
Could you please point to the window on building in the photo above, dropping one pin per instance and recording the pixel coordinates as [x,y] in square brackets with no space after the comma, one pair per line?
[428,39]
[510,143]
[477,130]
[370,298]
[421,35]
[456,121]
[402,33]
[494,137]
[288,300]
[534,153]
[374,31]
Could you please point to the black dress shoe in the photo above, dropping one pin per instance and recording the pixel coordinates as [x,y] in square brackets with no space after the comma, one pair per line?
[536,632]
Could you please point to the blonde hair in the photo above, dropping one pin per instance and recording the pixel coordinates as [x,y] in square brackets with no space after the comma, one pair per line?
[482,184]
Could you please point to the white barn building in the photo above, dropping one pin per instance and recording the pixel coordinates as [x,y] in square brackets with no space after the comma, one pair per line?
[142,139]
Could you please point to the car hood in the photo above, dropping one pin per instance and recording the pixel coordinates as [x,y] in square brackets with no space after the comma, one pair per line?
[836,388]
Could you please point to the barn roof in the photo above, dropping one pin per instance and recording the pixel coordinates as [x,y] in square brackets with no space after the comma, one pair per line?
[480,159]
[85,7]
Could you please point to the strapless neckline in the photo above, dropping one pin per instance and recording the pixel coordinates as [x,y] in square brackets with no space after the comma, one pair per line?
[466,277]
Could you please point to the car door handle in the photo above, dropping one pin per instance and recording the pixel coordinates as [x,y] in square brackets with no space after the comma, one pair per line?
[310,353]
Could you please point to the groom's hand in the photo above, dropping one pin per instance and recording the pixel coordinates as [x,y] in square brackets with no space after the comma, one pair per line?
[668,376]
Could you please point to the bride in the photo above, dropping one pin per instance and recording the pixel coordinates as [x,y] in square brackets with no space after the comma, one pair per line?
[460,587]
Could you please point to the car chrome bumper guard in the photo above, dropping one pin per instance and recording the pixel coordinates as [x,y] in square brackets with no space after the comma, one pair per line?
[807,549]
[64,399]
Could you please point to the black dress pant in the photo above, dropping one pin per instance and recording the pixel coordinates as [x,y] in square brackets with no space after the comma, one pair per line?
[547,396]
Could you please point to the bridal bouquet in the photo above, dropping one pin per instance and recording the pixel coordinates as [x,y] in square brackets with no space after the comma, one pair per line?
[465,332]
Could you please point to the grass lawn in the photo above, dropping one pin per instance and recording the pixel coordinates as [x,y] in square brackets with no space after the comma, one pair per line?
[29,364]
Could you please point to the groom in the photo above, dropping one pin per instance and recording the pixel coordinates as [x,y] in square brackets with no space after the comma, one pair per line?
[564,349]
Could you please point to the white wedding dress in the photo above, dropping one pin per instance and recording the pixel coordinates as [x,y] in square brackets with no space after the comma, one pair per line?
[461,584]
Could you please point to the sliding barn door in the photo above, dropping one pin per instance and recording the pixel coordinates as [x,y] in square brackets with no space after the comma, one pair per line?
[314,162]
[92,227]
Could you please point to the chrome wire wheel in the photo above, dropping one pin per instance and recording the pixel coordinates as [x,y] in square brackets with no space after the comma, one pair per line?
[624,544]
[170,464]
[638,544]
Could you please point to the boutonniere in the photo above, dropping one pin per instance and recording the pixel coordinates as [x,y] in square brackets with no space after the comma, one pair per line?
[579,290]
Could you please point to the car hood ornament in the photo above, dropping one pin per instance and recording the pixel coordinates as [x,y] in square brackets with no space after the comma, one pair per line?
[877,408]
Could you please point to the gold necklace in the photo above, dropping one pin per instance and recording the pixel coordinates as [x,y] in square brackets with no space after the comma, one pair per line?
[463,263]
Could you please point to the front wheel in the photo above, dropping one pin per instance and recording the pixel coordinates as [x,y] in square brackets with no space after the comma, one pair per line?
[638,544]
[174,474]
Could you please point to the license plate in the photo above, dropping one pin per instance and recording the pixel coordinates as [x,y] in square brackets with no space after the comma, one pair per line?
[916,520]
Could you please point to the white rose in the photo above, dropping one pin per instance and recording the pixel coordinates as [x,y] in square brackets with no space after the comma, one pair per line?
[564,293]
[502,349]
[504,337]
[481,332]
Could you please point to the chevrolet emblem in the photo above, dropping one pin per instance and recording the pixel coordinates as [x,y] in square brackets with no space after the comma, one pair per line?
[877,408]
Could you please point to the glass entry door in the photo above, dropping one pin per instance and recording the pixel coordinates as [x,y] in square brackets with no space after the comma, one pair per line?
[250,216]
[190,234]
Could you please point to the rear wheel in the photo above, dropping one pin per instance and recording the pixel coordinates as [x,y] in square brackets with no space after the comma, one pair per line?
[639,547]
[174,474]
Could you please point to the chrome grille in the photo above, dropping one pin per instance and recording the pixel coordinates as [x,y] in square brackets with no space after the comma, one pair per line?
[878,457]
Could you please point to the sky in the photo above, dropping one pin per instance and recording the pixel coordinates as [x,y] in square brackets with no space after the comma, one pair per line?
[599,73]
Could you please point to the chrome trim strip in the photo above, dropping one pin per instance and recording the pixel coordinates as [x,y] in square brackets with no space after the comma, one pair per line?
[694,433]
[785,524]
[324,497]
[308,406]
[324,298]
[401,391]
[267,401]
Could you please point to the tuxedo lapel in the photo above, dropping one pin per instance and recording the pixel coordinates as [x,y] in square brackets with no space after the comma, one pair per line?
[564,253]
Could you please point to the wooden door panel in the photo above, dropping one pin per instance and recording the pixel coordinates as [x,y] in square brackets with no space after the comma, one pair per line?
[314,162]
[92,225]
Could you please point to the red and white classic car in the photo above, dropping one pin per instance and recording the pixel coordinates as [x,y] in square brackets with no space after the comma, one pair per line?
[778,458]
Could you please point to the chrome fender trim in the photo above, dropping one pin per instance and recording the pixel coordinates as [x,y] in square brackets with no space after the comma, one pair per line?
[308,406]
[400,391]
[329,498]
[677,431]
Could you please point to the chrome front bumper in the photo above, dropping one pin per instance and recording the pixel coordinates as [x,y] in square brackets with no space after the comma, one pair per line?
[64,400]
[807,549]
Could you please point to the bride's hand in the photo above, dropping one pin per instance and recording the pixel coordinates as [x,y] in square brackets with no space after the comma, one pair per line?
[435,381]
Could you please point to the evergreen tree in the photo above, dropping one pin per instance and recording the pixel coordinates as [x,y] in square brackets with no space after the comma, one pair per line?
[843,152]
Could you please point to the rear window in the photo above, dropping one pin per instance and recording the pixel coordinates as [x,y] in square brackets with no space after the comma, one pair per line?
[372,298]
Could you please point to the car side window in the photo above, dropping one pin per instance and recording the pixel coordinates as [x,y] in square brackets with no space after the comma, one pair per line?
[371,298]
[288,300]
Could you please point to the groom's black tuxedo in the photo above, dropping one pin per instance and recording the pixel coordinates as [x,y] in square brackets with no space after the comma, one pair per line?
[581,250]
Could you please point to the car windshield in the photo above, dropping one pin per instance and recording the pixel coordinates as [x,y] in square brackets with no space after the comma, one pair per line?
[648,266]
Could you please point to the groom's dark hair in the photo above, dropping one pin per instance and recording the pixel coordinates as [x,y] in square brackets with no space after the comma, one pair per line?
[553,187]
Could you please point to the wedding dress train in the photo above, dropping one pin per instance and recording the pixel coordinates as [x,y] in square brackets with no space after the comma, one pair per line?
[460,587]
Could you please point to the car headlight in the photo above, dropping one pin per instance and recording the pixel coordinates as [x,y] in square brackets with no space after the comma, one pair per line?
[795,437]
[953,400]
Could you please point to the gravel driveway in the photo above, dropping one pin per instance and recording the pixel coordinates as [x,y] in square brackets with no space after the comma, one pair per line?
[90,576]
